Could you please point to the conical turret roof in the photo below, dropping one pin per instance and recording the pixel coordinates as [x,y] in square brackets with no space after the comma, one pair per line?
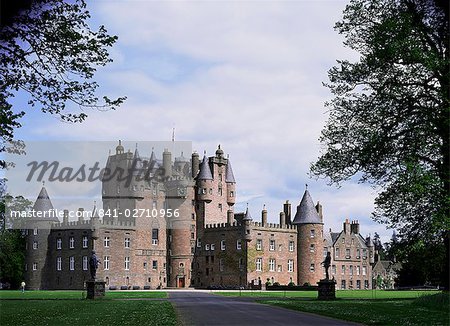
[306,211]
[247,216]
[44,204]
[205,171]
[229,176]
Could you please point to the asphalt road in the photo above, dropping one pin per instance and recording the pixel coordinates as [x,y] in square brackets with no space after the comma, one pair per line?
[199,308]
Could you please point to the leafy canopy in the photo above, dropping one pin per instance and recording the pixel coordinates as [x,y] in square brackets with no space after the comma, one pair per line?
[389,118]
[49,52]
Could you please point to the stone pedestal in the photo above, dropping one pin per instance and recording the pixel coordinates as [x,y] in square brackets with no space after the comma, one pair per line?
[327,289]
[95,289]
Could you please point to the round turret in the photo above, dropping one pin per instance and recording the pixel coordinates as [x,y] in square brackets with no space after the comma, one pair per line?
[119,148]
[219,152]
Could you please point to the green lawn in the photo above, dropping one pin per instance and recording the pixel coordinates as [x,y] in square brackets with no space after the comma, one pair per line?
[83,312]
[48,295]
[424,310]
[342,294]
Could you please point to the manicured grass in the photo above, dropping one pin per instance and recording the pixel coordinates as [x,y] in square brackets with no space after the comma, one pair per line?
[84,312]
[342,294]
[78,294]
[425,310]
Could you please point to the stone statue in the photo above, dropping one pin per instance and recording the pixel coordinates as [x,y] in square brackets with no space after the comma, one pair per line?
[93,265]
[326,264]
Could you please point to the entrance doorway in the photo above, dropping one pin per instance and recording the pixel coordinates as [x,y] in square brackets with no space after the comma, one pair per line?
[181,282]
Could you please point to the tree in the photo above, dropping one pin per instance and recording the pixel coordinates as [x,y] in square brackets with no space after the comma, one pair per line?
[389,118]
[48,51]
[12,240]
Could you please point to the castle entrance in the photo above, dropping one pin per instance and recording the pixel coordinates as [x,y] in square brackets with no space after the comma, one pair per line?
[181,282]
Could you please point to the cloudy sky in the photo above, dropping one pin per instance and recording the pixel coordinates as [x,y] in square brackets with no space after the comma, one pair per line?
[244,74]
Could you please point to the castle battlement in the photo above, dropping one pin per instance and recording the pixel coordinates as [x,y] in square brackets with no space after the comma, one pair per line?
[89,223]
[222,225]
[274,226]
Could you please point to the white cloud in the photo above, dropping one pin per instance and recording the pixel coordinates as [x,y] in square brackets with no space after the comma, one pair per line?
[246,75]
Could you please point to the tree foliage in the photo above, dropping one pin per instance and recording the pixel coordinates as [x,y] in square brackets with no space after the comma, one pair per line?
[48,51]
[389,118]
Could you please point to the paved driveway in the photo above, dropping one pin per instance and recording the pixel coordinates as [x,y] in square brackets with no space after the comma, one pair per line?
[200,308]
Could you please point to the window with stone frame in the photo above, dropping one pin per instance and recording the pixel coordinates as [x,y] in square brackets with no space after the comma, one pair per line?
[85,241]
[258,264]
[312,247]
[312,267]
[58,263]
[155,236]
[106,241]
[106,263]
[85,263]
[290,265]
[222,245]
[272,245]
[258,244]
[127,263]
[221,267]
[312,233]
[347,253]
[291,245]
[35,266]
[343,270]
[154,264]
[127,242]
[271,265]
[71,242]
[72,263]
[239,244]
[35,244]
[58,243]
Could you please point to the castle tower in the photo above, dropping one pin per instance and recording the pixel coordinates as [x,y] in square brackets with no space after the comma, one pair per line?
[309,241]
[38,230]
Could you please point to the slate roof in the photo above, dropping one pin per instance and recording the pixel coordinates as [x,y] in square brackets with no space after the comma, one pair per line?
[306,211]
[44,204]
[229,176]
[205,171]
[247,216]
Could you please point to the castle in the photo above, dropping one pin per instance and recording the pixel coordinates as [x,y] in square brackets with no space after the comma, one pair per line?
[177,228]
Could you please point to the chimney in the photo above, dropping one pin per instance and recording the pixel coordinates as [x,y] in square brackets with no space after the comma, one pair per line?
[66,216]
[287,212]
[264,216]
[355,227]
[195,164]
[167,163]
[282,219]
[346,226]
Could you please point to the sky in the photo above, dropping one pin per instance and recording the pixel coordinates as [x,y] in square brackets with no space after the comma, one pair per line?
[243,74]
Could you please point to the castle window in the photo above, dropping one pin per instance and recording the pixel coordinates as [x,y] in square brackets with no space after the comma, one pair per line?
[312,233]
[222,245]
[238,244]
[364,254]
[312,268]
[220,207]
[58,243]
[350,270]
[325,251]
[106,241]
[358,284]
[127,263]
[364,270]
[271,265]
[241,263]
[343,240]
[231,193]
[71,242]
[291,245]
[333,269]
[199,243]
[35,244]
[155,236]
[258,264]
[358,253]
[206,246]
[58,263]
[280,268]
[213,246]
[154,264]
[221,264]
[203,191]
[85,241]
[210,191]
[343,285]
[220,176]
[72,263]
[127,242]
[337,252]
[347,253]
[145,265]
[366,284]
[106,263]
[35,266]
[258,244]
[272,245]
[193,216]
[358,270]
[311,248]
[290,265]
[220,191]
[85,263]
[192,235]
[35,231]
[343,270]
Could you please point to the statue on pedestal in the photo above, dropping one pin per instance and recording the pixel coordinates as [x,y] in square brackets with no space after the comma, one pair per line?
[326,264]
[93,265]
